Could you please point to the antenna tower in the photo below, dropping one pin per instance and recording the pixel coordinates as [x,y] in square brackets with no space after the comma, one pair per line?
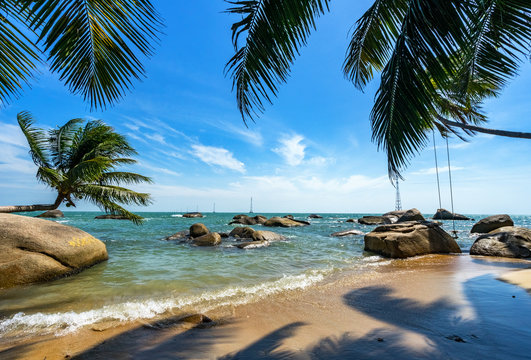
[398,202]
[251,210]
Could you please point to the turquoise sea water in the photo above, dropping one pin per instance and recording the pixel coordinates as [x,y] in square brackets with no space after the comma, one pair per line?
[147,276]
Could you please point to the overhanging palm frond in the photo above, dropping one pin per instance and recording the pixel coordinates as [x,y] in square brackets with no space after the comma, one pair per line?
[18,54]
[119,177]
[89,170]
[113,193]
[93,44]
[49,176]
[499,40]
[60,141]
[373,40]
[275,31]
[37,139]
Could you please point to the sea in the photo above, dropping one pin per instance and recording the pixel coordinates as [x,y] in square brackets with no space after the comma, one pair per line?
[147,277]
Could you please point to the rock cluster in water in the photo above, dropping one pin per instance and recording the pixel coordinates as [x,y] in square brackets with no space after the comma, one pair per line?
[275,221]
[193,215]
[34,250]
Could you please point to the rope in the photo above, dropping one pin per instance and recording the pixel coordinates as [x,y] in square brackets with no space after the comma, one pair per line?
[451,191]
[437,169]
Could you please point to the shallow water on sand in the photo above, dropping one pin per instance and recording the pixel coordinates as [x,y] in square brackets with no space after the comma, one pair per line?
[146,276]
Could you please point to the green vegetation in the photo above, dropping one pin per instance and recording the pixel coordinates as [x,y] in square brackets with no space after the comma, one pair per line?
[80,162]
[438,60]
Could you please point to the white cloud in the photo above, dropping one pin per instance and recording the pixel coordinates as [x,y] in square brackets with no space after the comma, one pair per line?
[156,137]
[11,134]
[291,149]
[159,169]
[433,171]
[319,161]
[217,156]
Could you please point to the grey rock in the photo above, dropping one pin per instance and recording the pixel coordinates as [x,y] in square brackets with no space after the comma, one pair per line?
[491,223]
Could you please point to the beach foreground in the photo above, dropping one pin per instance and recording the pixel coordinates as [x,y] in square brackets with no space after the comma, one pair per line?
[436,307]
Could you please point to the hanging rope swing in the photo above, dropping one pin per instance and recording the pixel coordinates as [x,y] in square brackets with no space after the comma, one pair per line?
[454,232]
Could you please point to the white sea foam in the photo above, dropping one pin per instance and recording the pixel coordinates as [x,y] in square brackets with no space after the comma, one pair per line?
[176,215]
[65,322]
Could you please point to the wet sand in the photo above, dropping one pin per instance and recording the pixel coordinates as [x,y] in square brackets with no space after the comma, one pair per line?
[430,307]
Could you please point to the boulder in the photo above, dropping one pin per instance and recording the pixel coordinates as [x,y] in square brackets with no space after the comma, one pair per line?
[351,220]
[247,220]
[407,239]
[508,241]
[411,215]
[396,213]
[252,244]
[223,235]
[181,235]
[373,220]
[210,239]
[347,233]
[443,214]
[242,232]
[193,215]
[198,229]
[51,214]
[288,217]
[491,223]
[264,235]
[315,216]
[276,221]
[111,217]
[34,250]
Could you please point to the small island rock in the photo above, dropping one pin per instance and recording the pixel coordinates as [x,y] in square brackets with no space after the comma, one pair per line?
[248,220]
[443,214]
[34,250]
[315,216]
[51,214]
[407,239]
[411,215]
[111,217]
[508,241]
[490,223]
[210,239]
[373,220]
[193,215]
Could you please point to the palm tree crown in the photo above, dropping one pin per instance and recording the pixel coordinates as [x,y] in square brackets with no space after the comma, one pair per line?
[80,162]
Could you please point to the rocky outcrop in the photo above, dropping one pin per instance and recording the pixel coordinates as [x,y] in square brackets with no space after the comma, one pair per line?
[284,222]
[244,232]
[411,215]
[491,223]
[396,213]
[198,229]
[351,220]
[34,250]
[248,220]
[288,217]
[193,215]
[111,217]
[347,233]
[443,214]
[51,214]
[181,235]
[508,241]
[315,216]
[374,220]
[407,239]
[210,239]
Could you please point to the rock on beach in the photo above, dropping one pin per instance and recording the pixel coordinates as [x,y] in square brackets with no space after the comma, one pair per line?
[508,241]
[490,223]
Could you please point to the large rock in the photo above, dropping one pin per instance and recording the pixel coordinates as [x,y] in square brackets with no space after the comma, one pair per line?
[210,239]
[242,232]
[198,229]
[299,221]
[264,235]
[193,215]
[396,213]
[407,239]
[284,222]
[411,215]
[443,214]
[248,220]
[374,220]
[508,241]
[491,223]
[34,250]
[347,233]
[51,214]
[111,217]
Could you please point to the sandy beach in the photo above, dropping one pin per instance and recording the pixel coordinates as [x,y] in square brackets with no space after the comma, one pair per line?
[429,307]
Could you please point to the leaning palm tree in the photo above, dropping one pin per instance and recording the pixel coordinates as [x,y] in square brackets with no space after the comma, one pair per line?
[93,45]
[429,52]
[80,162]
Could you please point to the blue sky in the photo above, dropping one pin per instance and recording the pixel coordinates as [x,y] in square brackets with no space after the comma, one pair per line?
[310,152]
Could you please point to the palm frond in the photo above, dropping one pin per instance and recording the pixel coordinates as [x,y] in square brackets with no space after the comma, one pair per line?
[49,176]
[275,31]
[120,177]
[114,208]
[373,40]
[36,138]
[60,141]
[93,44]
[113,193]
[89,170]
[18,54]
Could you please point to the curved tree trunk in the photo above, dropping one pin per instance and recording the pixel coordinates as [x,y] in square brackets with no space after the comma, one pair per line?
[37,207]
[513,134]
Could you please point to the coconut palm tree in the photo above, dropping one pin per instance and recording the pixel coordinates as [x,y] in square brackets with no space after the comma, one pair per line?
[93,45]
[80,162]
[429,52]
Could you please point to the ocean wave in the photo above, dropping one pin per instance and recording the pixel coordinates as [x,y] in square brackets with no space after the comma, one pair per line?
[176,215]
[66,322]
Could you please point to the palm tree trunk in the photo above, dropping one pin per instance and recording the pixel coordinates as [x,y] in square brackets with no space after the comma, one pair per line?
[36,207]
[512,134]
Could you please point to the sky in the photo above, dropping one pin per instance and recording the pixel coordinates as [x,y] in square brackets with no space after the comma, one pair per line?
[311,151]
